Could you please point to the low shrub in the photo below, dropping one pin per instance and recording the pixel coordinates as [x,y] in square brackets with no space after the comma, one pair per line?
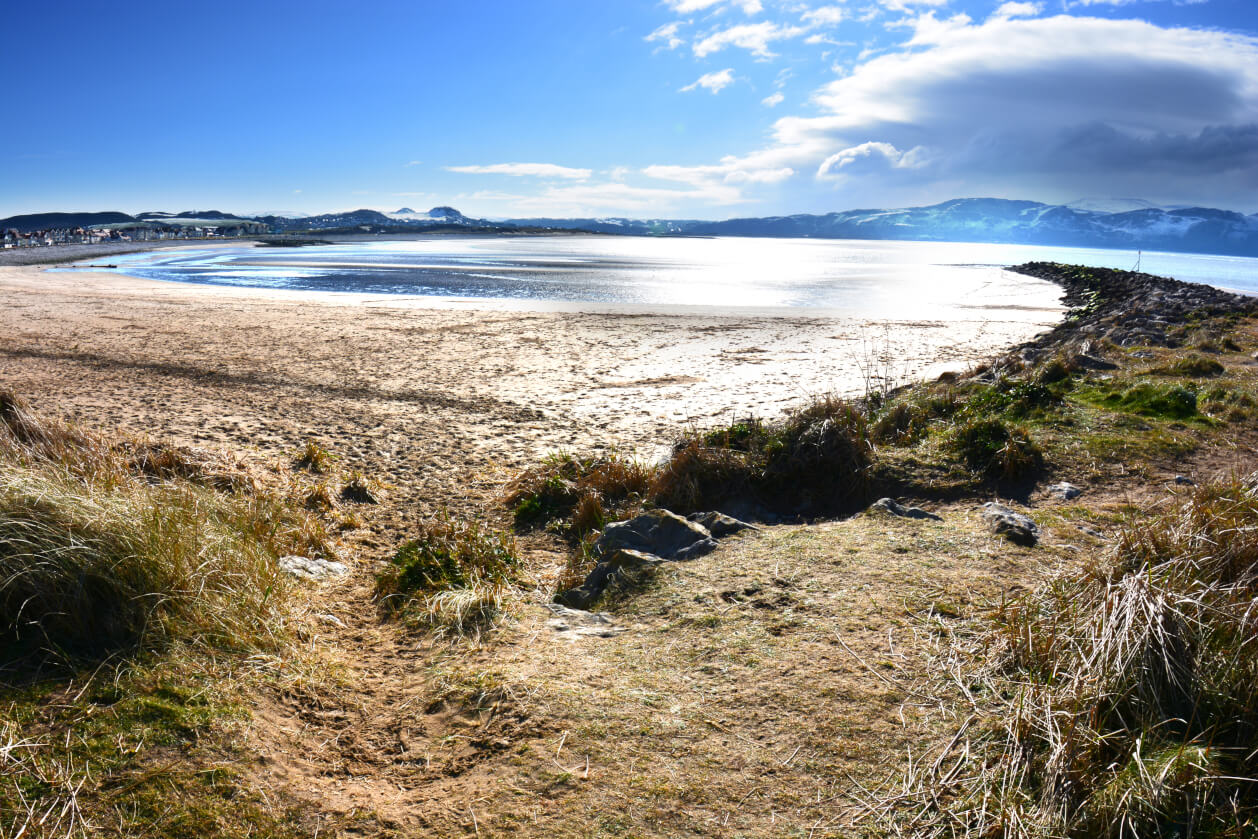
[1011,398]
[1154,400]
[552,493]
[701,476]
[996,450]
[453,573]
[814,460]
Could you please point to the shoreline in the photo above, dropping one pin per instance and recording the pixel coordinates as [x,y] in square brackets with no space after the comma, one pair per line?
[424,396]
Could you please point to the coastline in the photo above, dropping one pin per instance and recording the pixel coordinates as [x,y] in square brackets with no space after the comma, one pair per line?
[423,393]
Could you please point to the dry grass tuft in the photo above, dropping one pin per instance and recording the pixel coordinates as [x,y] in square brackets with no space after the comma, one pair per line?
[815,460]
[455,574]
[576,495]
[97,555]
[1120,701]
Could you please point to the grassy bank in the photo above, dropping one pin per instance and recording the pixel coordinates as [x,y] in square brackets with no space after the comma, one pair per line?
[139,590]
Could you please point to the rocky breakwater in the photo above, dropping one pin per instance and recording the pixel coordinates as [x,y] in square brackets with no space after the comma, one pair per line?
[1126,308]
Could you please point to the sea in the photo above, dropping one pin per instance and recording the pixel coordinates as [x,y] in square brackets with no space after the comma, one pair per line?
[877,279]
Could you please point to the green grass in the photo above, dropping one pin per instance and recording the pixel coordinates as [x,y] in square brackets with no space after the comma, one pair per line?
[454,574]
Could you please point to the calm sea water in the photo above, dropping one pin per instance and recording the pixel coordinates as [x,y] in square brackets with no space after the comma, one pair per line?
[883,279]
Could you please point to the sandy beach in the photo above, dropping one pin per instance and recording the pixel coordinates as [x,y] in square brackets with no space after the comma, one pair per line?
[421,392]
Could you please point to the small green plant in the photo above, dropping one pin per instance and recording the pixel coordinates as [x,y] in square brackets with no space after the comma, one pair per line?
[1154,400]
[1012,398]
[564,490]
[454,573]
[996,450]
[313,458]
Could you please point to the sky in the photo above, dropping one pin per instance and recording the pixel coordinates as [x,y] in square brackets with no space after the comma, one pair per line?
[673,108]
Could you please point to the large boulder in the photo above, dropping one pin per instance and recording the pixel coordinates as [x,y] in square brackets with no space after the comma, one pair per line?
[658,532]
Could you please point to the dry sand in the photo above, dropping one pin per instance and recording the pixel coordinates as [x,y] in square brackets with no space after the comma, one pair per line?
[424,393]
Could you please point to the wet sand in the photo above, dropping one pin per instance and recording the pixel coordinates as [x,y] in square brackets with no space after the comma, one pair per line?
[441,399]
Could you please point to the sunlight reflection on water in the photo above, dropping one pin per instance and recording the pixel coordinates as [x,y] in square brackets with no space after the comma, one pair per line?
[870,278]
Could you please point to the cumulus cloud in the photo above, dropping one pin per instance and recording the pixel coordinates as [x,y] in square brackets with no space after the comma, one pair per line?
[685,7]
[536,170]
[754,37]
[1015,9]
[772,100]
[823,16]
[667,34]
[1045,107]
[715,81]
[870,157]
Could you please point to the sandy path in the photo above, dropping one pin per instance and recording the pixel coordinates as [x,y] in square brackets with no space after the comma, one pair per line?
[425,397]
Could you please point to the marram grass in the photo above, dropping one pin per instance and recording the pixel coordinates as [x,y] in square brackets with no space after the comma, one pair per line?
[98,555]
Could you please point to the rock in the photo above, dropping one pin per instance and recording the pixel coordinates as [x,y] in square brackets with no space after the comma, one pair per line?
[1184,480]
[719,524]
[331,619]
[578,623]
[312,569]
[1065,491]
[1091,362]
[1015,527]
[1091,531]
[619,562]
[658,532]
[895,508]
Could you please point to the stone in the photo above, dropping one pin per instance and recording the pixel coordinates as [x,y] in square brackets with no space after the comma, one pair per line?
[578,623]
[1091,362]
[1184,480]
[1065,491]
[719,524]
[658,532]
[618,563]
[1091,531]
[895,508]
[1017,528]
[311,569]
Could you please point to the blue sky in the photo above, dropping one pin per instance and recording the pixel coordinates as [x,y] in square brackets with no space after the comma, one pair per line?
[679,108]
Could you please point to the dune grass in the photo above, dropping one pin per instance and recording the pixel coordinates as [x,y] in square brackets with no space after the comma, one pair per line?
[1120,700]
[135,579]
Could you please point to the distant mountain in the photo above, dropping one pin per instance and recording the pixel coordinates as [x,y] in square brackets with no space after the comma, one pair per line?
[1128,224]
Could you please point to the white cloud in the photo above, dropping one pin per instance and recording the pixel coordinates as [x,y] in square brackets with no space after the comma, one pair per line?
[772,100]
[668,34]
[905,5]
[730,170]
[1016,9]
[715,81]
[604,198]
[1038,107]
[536,170]
[755,37]
[685,7]
[414,163]
[870,157]
[823,16]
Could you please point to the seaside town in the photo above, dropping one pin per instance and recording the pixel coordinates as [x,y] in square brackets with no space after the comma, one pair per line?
[143,231]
